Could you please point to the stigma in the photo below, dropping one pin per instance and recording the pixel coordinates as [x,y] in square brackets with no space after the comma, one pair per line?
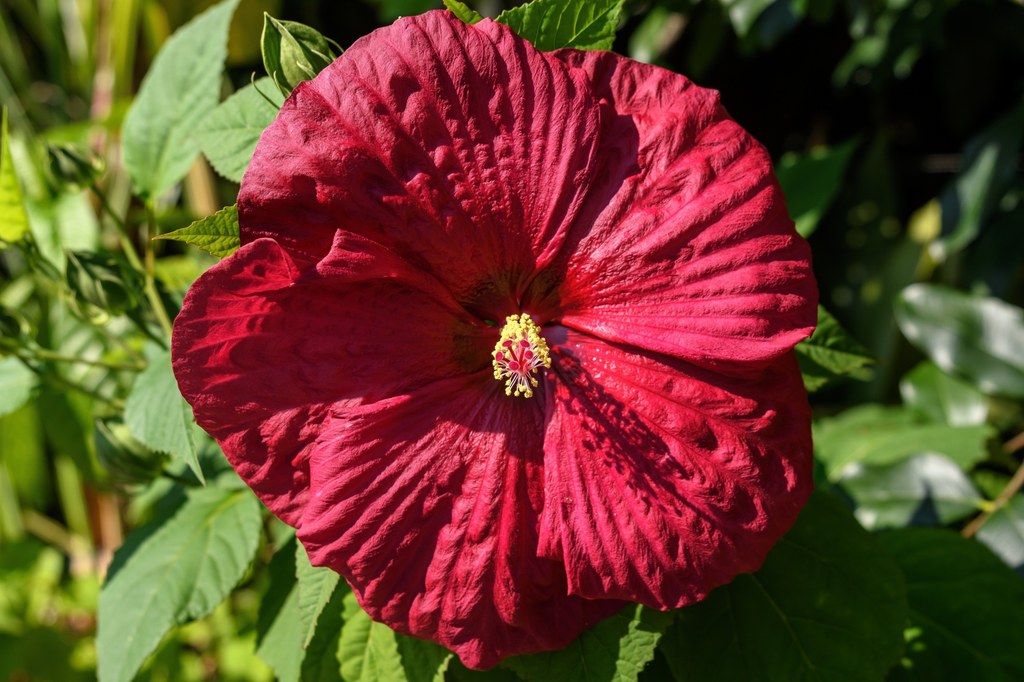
[519,353]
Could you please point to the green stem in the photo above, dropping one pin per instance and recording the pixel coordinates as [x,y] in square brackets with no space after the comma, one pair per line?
[10,515]
[57,381]
[150,266]
[122,228]
[1012,488]
[50,356]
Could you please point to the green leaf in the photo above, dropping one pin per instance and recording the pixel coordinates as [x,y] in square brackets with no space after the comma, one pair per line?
[990,163]
[279,626]
[966,609]
[744,13]
[463,11]
[811,181]
[828,604]
[16,384]
[830,354]
[158,416]
[293,52]
[367,650]
[229,135]
[1003,532]
[423,661]
[980,338]
[554,24]
[877,435]
[315,587]
[926,489]
[216,234]
[943,398]
[13,218]
[614,650]
[179,572]
[180,91]
[320,663]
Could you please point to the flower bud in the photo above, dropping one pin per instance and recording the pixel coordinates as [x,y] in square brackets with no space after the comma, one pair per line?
[126,459]
[101,281]
[73,164]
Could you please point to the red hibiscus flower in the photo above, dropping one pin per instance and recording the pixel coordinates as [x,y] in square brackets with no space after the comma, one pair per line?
[509,337]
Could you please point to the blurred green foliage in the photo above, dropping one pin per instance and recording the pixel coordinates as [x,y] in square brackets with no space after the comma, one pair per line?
[897,128]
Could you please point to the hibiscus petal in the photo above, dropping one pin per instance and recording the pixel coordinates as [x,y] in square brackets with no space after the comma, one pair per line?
[461,148]
[261,353]
[695,255]
[431,515]
[664,481]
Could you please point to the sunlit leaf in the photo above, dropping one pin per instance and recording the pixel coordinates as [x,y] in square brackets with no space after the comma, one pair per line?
[172,573]
[13,218]
[811,181]
[320,662]
[367,651]
[279,626]
[924,490]
[315,586]
[16,384]
[831,354]
[943,398]
[966,619]
[616,649]
[1003,532]
[554,24]
[179,92]
[229,135]
[216,234]
[980,338]
[828,604]
[463,11]
[158,416]
[877,435]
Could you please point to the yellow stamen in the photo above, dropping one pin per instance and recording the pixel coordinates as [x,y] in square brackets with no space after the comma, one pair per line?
[519,353]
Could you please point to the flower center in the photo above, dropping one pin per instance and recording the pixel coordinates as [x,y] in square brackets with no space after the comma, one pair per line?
[519,353]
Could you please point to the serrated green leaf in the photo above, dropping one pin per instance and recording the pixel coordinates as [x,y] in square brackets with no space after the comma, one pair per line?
[320,663]
[810,182]
[923,490]
[463,11]
[179,572]
[16,384]
[877,435]
[216,234]
[423,661]
[367,650]
[279,626]
[990,163]
[180,90]
[554,24]
[158,416]
[315,586]
[13,218]
[1003,532]
[966,619]
[830,354]
[614,650]
[978,337]
[229,135]
[943,398]
[293,52]
[827,605]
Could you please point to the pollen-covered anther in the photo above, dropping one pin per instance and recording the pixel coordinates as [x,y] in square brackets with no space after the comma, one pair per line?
[519,353]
